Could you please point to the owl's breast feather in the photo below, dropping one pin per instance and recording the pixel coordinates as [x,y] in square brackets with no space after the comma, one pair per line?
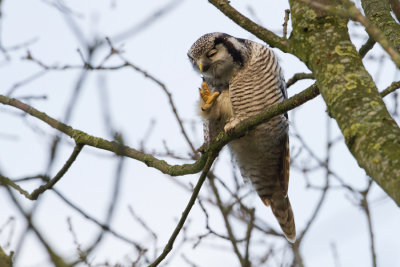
[221,109]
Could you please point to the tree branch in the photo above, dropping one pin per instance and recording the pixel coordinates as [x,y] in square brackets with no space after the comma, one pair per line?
[224,213]
[390,89]
[349,10]
[378,12]
[83,138]
[352,98]
[57,260]
[271,38]
[35,194]
[367,46]
[297,77]
[185,213]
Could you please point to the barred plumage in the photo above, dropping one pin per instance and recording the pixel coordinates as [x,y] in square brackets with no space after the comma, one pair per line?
[244,78]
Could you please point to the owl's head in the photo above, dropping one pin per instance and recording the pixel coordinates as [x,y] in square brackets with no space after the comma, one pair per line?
[218,55]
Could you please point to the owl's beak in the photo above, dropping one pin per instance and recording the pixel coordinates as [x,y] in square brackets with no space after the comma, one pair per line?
[203,66]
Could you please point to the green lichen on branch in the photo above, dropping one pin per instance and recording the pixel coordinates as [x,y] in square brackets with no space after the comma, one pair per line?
[351,96]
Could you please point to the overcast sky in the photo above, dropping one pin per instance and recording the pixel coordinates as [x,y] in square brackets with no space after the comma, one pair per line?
[134,102]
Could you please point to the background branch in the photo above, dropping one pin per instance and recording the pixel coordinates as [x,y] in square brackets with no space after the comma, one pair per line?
[269,37]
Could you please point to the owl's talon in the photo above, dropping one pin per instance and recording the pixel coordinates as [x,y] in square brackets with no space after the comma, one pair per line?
[207,96]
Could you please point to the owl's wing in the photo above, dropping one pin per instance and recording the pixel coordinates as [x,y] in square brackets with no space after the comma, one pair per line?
[285,168]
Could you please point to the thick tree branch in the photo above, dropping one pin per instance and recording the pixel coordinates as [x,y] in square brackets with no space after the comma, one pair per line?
[349,10]
[271,38]
[352,98]
[378,12]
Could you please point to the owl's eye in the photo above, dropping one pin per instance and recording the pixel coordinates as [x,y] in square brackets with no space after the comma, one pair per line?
[212,53]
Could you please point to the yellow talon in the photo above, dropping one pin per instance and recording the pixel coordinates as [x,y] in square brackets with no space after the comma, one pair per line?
[207,96]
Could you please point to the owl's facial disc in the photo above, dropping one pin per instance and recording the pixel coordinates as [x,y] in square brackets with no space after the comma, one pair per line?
[216,63]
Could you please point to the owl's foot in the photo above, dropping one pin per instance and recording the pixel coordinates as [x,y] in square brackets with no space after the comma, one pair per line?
[207,96]
[231,124]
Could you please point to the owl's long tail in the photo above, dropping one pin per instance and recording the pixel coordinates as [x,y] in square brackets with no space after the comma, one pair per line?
[282,210]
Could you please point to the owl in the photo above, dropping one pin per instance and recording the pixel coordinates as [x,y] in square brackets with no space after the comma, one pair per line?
[240,79]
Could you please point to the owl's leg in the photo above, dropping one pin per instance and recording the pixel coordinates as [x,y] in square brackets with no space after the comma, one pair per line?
[207,96]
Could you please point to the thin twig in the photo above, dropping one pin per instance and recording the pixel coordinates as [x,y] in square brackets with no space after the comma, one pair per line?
[285,23]
[224,213]
[393,87]
[94,220]
[299,76]
[35,194]
[170,99]
[250,228]
[185,213]
[55,258]
[365,205]
[365,48]
[81,254]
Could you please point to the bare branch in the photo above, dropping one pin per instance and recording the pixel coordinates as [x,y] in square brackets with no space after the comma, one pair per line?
[393,87]
[81,137]
[35,194]
[349,10]
[224,213]
[271,38]
[55,258]
[285,23]
[297,77]
[369,44]
[366,207]
[101,225]
[185,213]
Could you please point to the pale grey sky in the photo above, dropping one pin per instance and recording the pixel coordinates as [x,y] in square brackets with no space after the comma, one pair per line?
[134,101]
